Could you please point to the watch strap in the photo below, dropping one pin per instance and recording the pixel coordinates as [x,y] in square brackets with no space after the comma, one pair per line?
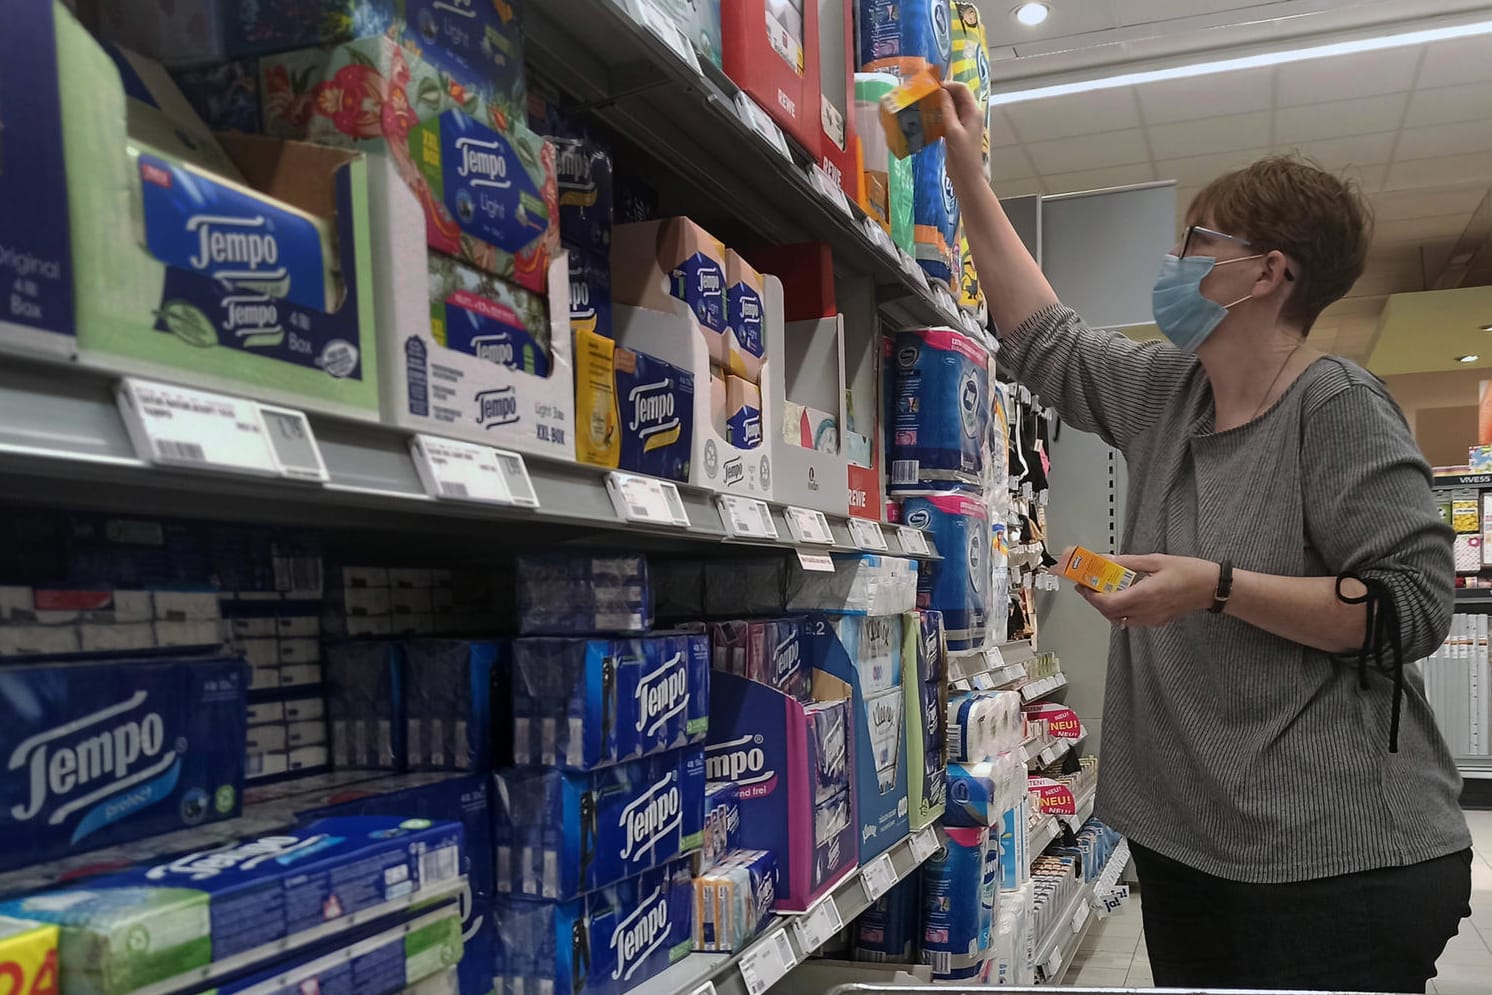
[1224,587]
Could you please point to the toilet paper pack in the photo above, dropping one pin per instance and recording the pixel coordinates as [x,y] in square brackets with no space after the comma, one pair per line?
[104,752]
[904,36]
[887,932]
[958,584]
[957,918]
[979,794]
[560,833]
[941,411]
[983,725]
[259,896]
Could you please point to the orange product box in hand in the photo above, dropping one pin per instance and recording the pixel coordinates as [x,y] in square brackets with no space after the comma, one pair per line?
[28,956]
[911,114]
[1095,572]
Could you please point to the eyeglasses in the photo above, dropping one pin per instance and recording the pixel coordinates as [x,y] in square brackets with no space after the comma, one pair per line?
[1207,234]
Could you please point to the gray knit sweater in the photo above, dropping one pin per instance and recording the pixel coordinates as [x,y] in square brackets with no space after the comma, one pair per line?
[1234,751]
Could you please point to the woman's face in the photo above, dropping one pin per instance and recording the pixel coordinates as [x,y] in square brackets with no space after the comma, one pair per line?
[1226,283]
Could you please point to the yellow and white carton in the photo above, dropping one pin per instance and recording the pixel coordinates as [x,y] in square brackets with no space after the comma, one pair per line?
[28,956]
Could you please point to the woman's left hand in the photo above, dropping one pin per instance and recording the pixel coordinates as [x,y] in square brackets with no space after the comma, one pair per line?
[1173,587]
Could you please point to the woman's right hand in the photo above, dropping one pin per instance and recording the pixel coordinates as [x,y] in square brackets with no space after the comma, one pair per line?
[963,131]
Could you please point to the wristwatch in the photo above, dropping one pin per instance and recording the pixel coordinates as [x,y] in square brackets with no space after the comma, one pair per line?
[1224,587]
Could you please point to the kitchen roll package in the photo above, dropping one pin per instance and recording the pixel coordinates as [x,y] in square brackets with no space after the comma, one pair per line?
[958,585]
[957,907]
[984,724]
[886,933]
[940,421]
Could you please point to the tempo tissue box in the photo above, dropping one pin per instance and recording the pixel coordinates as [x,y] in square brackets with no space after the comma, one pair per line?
[656,421]
[743,413]
[675,257]
[745,338]
[130,748]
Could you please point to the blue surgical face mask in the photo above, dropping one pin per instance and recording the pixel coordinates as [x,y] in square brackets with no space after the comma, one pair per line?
[1182,314]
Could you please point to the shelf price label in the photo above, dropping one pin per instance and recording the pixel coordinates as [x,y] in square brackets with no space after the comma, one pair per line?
[820,923]
[647,500]
[761,122]
[746,517]
[878,876]
[655,19]
[913,542]
[203,430]
[924,843]
[1054,963]
[877,235]
[767,962]
[708,988]
[808,526]
[828,189]
[1080,916]
[464,471]
[817,562]
[867,534]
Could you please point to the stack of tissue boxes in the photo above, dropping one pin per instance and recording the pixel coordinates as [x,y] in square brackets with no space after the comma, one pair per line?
[769,651]
[53,621]
[594,826]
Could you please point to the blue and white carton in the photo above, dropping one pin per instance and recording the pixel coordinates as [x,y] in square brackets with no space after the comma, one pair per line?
[448,703]
[103,752]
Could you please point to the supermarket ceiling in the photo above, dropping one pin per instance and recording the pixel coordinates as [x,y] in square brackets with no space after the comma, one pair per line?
[1412,124]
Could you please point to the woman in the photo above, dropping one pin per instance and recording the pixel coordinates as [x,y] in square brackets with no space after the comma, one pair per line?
[1291,807]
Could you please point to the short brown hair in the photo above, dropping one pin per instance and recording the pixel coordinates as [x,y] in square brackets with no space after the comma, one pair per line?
[1289,203]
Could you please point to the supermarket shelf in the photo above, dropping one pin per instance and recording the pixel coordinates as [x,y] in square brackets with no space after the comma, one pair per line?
[1464,480]
[1041,752]
[1475,768]
[1055,950]
[1037,690]
[1049,827]
[724,971]
[62,440]
[1100,887]
[597,54]
[1473,595]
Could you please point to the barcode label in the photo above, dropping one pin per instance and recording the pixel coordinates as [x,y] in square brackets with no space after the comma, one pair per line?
[454,488]
[639,510]
[441,864]
[171,449]
[941,961]
[904,471]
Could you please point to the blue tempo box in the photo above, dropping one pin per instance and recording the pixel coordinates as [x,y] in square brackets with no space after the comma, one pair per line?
[103,752]
[603,943]
[880,790]
[558,834]
[655,402]
[579,704]
[364,687]
[448,703]
[152,924]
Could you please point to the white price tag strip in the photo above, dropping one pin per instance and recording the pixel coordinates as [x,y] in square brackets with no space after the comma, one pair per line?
[767,962]
[185,427]
[1080,916]
[655,19]
[646,499]
[817,562]
[745,517]
[867,534]
[761,122]
[808,526]
[878,876]
[464,471]
[819,924]
[913,542]
[924,843]
[1054,964]
[828,189]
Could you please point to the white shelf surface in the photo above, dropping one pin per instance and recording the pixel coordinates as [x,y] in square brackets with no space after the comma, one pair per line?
[723,971]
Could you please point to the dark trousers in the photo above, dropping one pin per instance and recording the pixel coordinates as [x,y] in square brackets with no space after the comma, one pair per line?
[1375,931]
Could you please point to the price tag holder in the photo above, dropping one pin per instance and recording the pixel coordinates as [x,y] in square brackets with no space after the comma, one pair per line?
[761,122]
[924,843]
[746,517]
[828,189]
[808,526]
[819,924]
[767,962]
[913,542]
[651,16]
[294,444]
[646,500]
[708,988]
[1054,964]
[868,535]
[878,876]
[198,429]
[817,562]
[464,471]
[1080,916]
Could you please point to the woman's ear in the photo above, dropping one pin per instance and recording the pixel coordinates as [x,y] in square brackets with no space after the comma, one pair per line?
[1276,273]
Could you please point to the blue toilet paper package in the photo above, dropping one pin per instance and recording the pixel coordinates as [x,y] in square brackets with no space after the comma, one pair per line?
[559,834]
[103,752]
[957,585]
[905,36]
[935,217]
[942,410]
[448,703]
[152,924]
[568,594]
[606,942]
[579,704]
[887,931]
[957,911]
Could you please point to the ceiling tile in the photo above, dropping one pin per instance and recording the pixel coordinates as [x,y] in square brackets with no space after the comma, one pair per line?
[1065,19]
[1444,171]
[1390,279]
[1019,187]
[1099,179]
[1079,114]
[1207,96]
[1339,118]
[1446,139]
[1066,155]
[1403,204]
[1446,104]
[1461,60]
[1009,164]
[1336,154]
[1417,230]
[1150,11]
[1369,179]
[1000,132]
[1343,76]
[1197,171]
[1204,137]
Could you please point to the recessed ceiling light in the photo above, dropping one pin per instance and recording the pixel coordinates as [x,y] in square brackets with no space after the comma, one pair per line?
[1487,328]
[1468,359]
[1031,14]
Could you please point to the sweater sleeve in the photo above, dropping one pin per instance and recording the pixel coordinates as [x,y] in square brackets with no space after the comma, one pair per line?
[1099,381]
[1369,509]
